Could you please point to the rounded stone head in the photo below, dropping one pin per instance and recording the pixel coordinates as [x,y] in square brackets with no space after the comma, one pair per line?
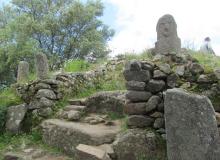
[166,27]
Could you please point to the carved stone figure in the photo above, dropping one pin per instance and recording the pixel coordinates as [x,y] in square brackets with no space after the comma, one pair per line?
[167,38]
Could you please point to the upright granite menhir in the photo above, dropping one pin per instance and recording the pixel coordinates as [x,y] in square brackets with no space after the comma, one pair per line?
[42,66]
[23,71]
[191,126]
[167,38]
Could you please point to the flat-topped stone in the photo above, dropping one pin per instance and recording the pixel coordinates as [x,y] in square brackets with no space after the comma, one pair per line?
[67,135]
[86,152]
[77,101]
[74,107]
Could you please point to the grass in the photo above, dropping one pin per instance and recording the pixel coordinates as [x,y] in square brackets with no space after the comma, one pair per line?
[210,62]
[19,142]
[76,66]
[9,97]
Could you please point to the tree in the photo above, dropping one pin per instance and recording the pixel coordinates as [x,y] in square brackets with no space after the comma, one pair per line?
[66,28]
[62,29]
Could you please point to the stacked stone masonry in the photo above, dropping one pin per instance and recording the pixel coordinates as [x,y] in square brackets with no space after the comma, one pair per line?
[147,80]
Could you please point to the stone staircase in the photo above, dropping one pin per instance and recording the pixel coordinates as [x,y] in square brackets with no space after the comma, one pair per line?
[81,134]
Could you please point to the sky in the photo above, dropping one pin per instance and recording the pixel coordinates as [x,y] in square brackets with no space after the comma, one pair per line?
[134,22]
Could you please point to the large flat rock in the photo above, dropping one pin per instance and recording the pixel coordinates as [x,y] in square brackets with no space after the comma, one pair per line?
[67,135]
[191,126]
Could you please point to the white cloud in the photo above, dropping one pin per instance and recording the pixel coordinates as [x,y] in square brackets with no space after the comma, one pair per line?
[136,22]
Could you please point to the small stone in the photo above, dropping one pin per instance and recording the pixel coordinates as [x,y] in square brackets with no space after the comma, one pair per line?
[133,65]
[135,85]
[161,131]
[217,73]
[45,112]
[155,86]
[180,70]
[147,65]
[196,68]
[139,121]
[73,115]
[160,107]
[157,115]
[159,123]
[140,76]
[203,79]
[159,75]
[86,152]
[152,103]
[42,86]
[172,80]
[46,93]
[165,68]
[135,108]
[138,96]
[44,102]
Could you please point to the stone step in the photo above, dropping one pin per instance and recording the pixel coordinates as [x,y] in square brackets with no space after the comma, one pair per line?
[77,101]
[74,107]
[67,135]
[90,153]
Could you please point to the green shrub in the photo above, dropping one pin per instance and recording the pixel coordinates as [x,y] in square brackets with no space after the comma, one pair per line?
[76,66]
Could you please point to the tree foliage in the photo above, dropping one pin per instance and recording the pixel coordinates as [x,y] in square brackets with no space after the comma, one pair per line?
[62,29]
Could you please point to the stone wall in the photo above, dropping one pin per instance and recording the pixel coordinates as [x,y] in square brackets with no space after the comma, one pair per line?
[147,80]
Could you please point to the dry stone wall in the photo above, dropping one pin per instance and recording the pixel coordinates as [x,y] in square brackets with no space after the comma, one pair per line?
[147,80]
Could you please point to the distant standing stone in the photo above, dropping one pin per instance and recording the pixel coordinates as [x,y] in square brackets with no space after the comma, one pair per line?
[42,66]
[23,71]
[167,38]
[191,125]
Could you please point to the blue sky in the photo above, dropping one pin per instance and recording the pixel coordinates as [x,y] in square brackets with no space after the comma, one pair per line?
[135,22]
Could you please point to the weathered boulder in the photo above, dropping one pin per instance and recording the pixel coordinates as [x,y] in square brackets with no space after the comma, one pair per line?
[155,86]
[138,96]
[137,144]
[167,38]
[191,125]
[139,121]
[47,93]
[105,102]
[15,117]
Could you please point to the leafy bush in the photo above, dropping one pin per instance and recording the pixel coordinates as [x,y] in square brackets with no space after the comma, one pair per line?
[76,66]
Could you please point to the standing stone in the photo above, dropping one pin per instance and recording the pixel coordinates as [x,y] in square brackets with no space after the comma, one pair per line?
[42,66]
[167,38]
[23,71]
[191,125]
[15,116]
